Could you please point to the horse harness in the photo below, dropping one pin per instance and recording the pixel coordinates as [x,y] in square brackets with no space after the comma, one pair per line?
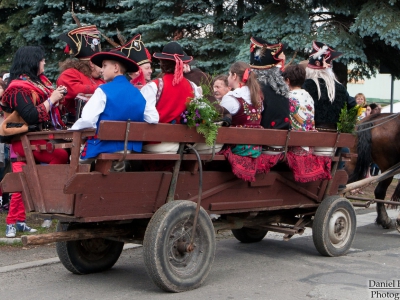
[386,119]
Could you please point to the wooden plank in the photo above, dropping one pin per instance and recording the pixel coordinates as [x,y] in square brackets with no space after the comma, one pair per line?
[321,190]
[16,182]
[340,178]
[114,130]
[26,194]
[84,168]
[204,157]
[303,188]
[103,166]
[243,191]
[269,208]
[154,156]
[162,193]
[115,203]
[59,134]
[115,218]
[32,174]
[11,183]
[245,204]
[264,180]
[188,184]
[320,139]
[115,182]
[138,156]
[52,179]
[215,190]
[55,146]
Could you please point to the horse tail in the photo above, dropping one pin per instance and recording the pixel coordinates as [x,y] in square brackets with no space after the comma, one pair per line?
[364,158]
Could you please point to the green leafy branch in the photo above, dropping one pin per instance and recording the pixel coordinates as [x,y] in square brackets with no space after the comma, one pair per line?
[347,119]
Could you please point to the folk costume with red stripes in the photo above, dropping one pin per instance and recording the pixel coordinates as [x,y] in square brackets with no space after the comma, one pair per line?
[27,98]
[82,43]
[169,95]
[246,160]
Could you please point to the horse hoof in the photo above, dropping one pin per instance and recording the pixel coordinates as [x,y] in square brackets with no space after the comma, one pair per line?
[397,225]
[387,225]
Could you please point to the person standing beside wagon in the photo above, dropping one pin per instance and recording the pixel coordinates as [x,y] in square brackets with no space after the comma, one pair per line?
[30,99]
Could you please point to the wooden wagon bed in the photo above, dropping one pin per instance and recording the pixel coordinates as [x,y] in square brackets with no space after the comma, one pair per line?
[84,196]
[99,210]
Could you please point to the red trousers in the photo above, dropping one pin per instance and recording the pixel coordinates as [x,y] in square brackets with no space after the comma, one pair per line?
[16,210]
[59,156]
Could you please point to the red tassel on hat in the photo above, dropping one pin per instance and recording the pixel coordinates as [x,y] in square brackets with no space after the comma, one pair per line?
[148,54]
[178,74]
[139,80]
[67,49]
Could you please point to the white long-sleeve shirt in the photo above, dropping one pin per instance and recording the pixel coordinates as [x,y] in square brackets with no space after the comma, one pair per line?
[230,101]
[95,106]
[149,92]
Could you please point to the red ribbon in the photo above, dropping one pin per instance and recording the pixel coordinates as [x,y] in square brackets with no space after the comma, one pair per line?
[246,75]
[178,74]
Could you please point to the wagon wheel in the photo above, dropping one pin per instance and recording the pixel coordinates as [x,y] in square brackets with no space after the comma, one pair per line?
[334,226]
[168,233]
[87,256]
[249,235]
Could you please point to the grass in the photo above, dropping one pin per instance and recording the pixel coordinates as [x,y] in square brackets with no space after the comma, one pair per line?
[13,244]
[32,221]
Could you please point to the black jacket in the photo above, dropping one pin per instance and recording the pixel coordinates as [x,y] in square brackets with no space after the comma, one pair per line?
[276,109]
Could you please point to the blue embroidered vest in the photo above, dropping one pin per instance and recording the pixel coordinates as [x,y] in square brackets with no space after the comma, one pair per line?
[124,102]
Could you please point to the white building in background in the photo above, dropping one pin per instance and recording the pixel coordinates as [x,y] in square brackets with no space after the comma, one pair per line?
[376,89]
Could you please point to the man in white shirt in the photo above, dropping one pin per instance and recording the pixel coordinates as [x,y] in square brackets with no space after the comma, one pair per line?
[117,100]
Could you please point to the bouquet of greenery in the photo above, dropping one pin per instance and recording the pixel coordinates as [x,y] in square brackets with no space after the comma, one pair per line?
[202,114]
[348,119]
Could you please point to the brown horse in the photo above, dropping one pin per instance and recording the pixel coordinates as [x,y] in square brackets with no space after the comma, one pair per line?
[378,140]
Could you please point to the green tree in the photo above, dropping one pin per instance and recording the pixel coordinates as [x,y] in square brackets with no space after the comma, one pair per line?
[368,32]
[215,32]
[209,30]
[40,22]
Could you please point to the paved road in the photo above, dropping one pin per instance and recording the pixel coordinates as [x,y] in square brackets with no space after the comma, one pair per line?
[271,269]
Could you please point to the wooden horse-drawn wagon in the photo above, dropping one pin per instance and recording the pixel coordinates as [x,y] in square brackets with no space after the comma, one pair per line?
[169,211]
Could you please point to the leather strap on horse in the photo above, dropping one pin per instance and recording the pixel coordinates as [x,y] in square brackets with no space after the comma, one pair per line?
[389,118]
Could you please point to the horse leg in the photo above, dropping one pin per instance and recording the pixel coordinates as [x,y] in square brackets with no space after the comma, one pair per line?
[380,193]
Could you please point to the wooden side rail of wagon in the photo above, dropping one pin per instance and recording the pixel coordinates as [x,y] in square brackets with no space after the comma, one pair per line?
[114,130]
